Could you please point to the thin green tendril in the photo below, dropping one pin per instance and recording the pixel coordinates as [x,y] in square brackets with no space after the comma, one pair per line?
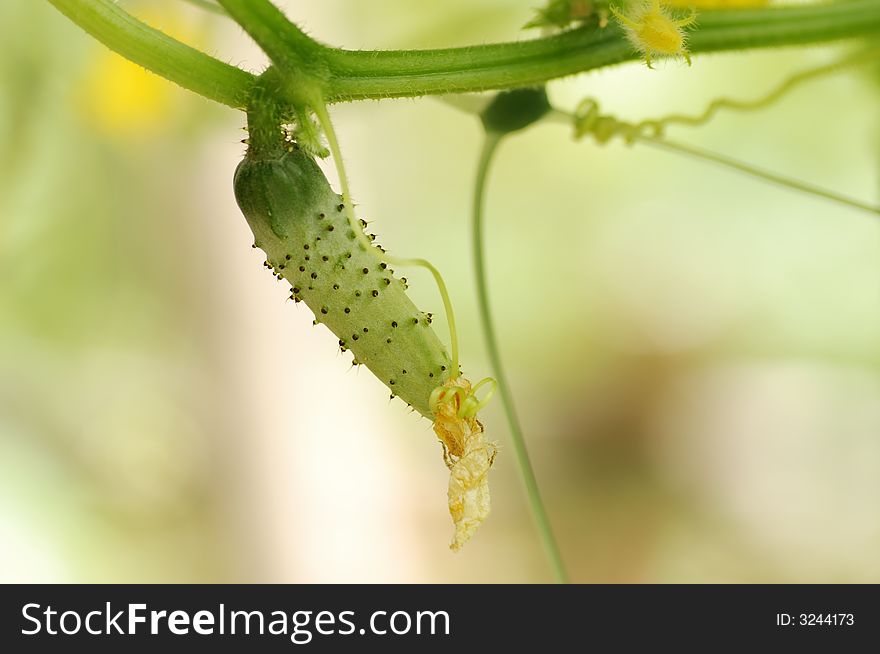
[658,126]
[588,120]
[759,173]
[524,464]
[327,125]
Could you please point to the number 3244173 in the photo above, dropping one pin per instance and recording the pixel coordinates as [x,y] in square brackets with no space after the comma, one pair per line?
[816,619]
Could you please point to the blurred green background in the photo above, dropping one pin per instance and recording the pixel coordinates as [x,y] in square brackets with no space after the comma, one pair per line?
[696,355]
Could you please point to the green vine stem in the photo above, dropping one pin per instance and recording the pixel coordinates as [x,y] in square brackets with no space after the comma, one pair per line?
[158,52]
[371,74]
[524,464]
[354,75]
[299,57]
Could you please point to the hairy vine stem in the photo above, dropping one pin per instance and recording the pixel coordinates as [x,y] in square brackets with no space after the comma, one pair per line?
[156,51]
[345,75]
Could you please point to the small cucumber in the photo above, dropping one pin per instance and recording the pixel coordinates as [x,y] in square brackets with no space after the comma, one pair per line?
[300,223]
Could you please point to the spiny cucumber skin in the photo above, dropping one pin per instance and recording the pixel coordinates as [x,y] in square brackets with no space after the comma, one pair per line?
[300,223]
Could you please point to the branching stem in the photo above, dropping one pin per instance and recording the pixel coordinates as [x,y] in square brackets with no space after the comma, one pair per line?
[345,75]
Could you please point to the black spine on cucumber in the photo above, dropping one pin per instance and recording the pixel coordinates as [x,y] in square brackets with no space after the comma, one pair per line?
[300,223]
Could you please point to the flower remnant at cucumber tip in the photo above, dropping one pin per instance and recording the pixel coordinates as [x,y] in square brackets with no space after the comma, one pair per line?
[337,270]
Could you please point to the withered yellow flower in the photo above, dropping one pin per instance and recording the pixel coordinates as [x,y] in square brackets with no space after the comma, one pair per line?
[468,455]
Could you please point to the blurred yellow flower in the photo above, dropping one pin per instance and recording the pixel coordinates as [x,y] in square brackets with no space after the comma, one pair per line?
[123,99]
[119,96]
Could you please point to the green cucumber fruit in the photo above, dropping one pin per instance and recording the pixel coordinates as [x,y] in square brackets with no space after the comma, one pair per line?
[300,223]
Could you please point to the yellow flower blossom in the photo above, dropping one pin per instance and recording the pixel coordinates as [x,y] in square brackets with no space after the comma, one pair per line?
[653,31]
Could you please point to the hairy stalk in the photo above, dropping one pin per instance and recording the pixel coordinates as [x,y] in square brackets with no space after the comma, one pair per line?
[291,49]
[158,52]
[345,75]
[336,152]
[376,74]
[524,464]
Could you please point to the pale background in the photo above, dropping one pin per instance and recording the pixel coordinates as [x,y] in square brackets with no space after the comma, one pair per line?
[696,355]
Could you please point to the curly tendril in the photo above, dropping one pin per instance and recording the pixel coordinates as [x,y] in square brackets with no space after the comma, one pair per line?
[588,119]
